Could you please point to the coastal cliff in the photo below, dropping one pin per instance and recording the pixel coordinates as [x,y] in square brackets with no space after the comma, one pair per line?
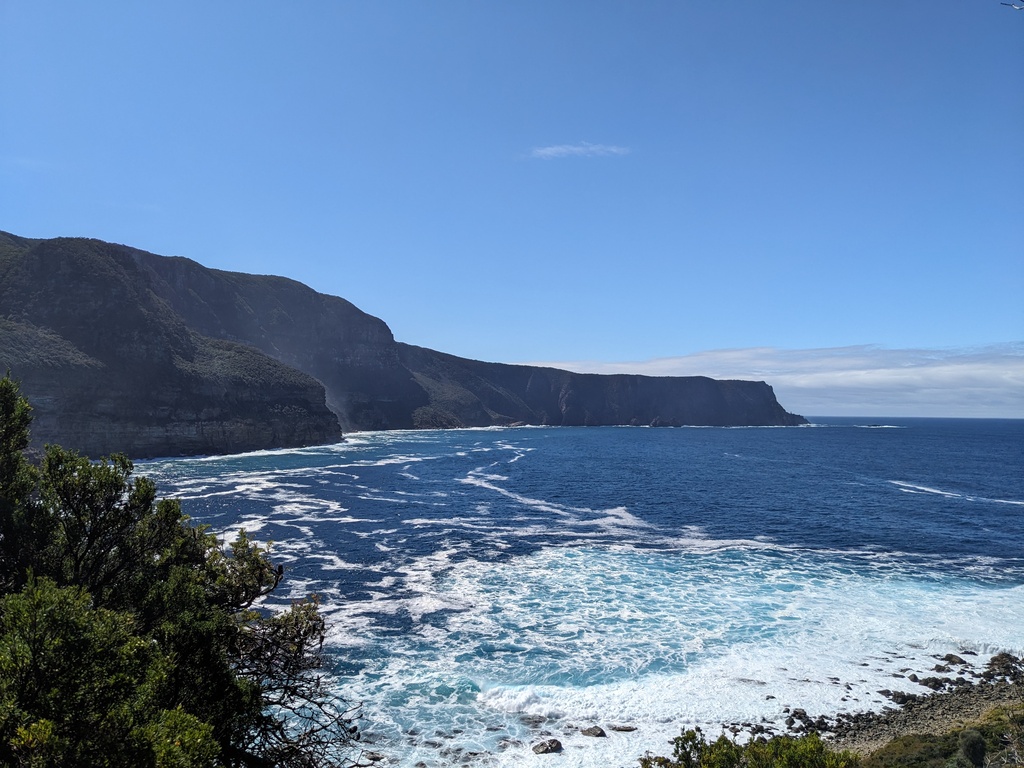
[472,393]
[124,350]
[109,367]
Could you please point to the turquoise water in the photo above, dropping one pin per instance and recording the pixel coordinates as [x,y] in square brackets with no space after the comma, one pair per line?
[487,587]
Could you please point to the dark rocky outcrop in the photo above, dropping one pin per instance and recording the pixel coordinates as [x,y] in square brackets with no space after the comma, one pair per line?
[120,349]
[108,366]
[548,747]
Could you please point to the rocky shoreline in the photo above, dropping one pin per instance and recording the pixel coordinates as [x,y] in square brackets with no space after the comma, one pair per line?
[934,714]
[959,694]
[951,705]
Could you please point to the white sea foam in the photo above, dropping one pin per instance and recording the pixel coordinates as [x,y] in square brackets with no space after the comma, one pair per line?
[924,489]
[911,488]
[269,453]
[465,649]
[658,641]
[332,562]
[607,519]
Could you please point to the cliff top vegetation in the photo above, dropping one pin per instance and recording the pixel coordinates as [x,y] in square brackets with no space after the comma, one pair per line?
[131,637]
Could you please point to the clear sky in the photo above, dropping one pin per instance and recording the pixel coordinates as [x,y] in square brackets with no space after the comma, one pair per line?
[759,190]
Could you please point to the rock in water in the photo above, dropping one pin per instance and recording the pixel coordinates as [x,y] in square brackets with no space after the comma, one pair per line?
[548,747]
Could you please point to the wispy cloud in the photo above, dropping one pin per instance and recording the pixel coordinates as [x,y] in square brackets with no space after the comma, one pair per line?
[985,381]
[583,149]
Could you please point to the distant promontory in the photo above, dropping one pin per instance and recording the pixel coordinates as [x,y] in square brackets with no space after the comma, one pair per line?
[123,350]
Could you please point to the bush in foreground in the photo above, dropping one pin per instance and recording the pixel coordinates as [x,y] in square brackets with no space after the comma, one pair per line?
[129,637]
[692,750]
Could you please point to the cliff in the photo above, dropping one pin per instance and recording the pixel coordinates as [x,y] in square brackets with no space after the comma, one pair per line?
[119,349]
[472,393]
[108,366]
[353,354]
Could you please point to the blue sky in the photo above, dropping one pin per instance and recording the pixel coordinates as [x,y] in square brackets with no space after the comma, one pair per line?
[604,185]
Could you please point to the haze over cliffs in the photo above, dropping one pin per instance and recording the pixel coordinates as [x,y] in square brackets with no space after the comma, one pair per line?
[123,350]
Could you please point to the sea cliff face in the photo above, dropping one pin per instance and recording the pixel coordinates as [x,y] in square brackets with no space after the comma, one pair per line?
[124,350]
[472,393]
[108,366]
[353,354]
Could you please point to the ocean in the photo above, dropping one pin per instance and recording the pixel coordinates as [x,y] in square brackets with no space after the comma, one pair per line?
[487,589]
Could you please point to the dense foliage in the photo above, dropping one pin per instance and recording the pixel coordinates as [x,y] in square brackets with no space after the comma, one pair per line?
[994,741]
[129,637]
[691,749]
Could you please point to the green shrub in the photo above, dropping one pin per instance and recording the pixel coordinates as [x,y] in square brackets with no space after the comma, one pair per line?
[692,750]
[972,748]
[129,637]
[995,740]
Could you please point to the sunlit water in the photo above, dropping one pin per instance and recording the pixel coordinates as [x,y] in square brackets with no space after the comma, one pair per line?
[487,588]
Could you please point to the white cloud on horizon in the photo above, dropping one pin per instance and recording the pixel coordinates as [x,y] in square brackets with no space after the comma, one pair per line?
[986,381]
[583,149]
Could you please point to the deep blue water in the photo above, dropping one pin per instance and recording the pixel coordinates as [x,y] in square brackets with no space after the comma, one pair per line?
[487,586]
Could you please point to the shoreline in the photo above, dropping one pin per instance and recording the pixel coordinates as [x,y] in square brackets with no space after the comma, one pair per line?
[952,704]
[934,714]
[946,704]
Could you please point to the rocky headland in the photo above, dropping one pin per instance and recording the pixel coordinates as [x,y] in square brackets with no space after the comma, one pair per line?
[123,350]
